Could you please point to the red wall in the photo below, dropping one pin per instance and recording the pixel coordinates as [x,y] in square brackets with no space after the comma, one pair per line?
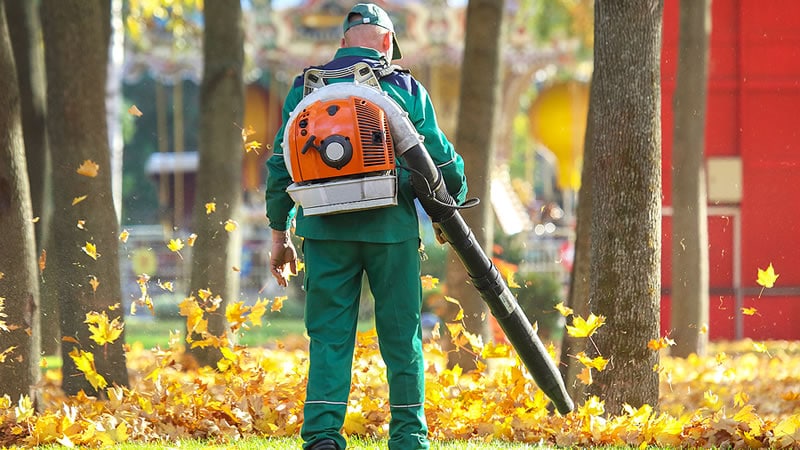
[753,113]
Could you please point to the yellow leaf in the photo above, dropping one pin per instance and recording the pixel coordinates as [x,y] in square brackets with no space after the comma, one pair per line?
[190,240]
[4,354]
[252,146]
[257,312]
[277,303]
[598,363]
[740,399]
[658,344]
[175,245]
[42,261]
[167,285]
[429,282]
[749,311]
[767,277]
[81,224]
[210,207]
[194,316]
[102,330]
[234,313]
[564,310]
[91,250]
[89,169]
[230,225]
[123,236]
[585,327]
[77,200]
[84,361]
[592,407]
[134,111]
[93,282]
[247,132]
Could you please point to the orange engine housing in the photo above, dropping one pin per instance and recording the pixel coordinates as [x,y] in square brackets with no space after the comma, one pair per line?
[336,138]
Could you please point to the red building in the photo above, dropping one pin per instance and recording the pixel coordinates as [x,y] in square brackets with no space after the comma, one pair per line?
[752,152]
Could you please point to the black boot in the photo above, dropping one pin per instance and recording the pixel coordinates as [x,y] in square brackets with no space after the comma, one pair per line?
[324,444]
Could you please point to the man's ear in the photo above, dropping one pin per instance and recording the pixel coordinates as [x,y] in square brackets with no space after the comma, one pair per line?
[387,42]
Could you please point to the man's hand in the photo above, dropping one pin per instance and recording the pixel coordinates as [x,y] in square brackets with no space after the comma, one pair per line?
[437,231]
[283,254]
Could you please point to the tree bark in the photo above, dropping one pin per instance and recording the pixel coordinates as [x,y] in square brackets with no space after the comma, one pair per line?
[76,54]
[625,284]
[477,120]
[579,287]
[217,251]
[19,284]
[689,286]
[26,38]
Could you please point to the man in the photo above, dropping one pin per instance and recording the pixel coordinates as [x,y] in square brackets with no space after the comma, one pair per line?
[340,248]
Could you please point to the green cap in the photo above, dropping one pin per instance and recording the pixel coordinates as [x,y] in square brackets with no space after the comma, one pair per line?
[372,14]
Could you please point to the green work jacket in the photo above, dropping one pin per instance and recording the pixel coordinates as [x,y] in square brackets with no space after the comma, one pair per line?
[381,225]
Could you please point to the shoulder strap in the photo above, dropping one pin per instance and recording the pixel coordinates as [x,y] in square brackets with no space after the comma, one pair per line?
[362,73]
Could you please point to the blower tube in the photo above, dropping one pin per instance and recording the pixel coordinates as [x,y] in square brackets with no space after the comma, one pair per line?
[441,207]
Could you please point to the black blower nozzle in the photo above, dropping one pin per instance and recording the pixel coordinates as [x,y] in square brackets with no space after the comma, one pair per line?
[441,207]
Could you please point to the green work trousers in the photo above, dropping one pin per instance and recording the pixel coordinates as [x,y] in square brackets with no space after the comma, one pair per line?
[333,279]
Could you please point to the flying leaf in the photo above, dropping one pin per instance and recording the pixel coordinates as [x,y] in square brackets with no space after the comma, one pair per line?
[230,225]
[134,111]
[658,344]
[77,200]
[210,207]
[84,361]
[3,325]
[257,312]
[252,146]
[42,260]
[749,311]
[564,310]
[585,376]
[190,240]
[247,132]
[91,250]
[585,327]
[429,282]
[93,282]
[767,277]
[277,303]
[102,330]
[598,363]
[175,245]
[123,236]
[4,354]
[89,169]
[167,285]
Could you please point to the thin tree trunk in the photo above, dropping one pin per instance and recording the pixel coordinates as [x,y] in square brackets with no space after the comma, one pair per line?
[625,284]
[217,251]
[578,297]
[477,120]
[26,38]
[689,291]
[19,285]
[76,54]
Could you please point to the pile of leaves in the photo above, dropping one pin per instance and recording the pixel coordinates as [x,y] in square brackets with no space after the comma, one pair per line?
[746,394]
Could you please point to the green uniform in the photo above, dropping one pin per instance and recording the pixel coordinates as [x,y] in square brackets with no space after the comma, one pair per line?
[383,243]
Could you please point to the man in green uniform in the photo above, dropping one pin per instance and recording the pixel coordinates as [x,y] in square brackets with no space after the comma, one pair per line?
[340,248]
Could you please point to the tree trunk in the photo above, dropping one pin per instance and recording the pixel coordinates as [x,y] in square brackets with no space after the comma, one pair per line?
[477,120]
[626,228]
[19,284]
[689,291]
[217,251]
[25,29]
[578,297]
[76,54]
